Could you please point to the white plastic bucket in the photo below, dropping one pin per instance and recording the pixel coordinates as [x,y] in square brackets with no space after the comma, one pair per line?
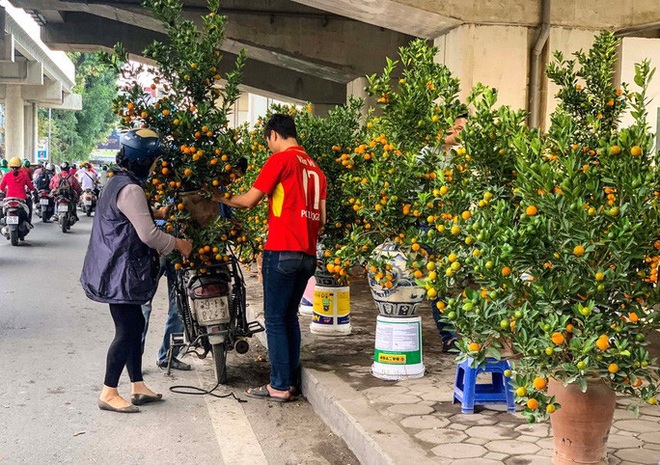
[306,306]
[398,353]
[332,311]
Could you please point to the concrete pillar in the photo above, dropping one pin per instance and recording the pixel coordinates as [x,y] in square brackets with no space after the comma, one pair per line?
[357,88]
[14,122]
[31,131]
[497,56]
[322,109]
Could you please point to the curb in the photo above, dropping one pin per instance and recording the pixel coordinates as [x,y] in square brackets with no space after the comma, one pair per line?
[373,438]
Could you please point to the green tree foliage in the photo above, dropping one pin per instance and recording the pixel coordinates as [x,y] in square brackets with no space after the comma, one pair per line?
[75,133]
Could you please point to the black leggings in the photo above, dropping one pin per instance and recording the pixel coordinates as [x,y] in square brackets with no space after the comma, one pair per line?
[126,349]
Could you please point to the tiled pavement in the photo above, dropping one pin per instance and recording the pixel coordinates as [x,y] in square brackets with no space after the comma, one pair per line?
[414,421]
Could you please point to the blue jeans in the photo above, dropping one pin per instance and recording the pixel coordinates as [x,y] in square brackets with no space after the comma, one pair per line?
[285,276]
[445,329]
[173,324]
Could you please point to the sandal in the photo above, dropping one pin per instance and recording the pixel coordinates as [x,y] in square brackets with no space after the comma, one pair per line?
[449,345]
[262,392]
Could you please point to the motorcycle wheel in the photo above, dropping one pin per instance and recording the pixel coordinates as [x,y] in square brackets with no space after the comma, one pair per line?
[44,215]
[64,222]
[220,359]
[89,212]
[13,236]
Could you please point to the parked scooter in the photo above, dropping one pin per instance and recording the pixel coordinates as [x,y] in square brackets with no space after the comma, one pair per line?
[88,202]
[66,212]
[15,225]
[45,205]
[213,310]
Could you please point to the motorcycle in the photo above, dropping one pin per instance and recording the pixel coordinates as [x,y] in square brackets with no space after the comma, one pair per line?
[14,220]
[45,205]
[65,212]
[88,201]
[214,313]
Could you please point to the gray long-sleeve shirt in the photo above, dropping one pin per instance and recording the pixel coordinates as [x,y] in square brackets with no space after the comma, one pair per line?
[133,204]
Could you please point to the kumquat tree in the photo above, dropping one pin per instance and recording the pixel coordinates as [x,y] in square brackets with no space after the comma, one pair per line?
[567,268]
[190,111]
[389,176]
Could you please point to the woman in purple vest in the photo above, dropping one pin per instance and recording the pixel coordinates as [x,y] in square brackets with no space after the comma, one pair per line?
[121,265]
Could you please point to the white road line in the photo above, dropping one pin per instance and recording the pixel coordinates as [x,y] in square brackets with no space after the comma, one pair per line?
[236,438]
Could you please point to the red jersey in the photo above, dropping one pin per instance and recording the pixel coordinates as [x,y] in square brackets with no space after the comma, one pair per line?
[15,185]
[295,186]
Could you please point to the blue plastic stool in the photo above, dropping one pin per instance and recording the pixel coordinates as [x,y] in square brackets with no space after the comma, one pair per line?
[469,393]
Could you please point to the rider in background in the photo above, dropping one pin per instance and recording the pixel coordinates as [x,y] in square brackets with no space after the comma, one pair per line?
[103,176]
[43,179]
[15,184]
[27,167]
[87,178]
[64,176]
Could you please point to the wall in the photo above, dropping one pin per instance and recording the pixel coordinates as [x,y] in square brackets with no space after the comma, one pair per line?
[497,56]
[634,50]
[566,41]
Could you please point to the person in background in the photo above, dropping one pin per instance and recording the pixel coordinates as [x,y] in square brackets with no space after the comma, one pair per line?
[27,167]
[103,176]
[87,178]
[4,168]
[37,171]
[73,169]
[296,189]
[17,184]
[42,180]
[173,324]
[121,264]
[66,184]
[447,334]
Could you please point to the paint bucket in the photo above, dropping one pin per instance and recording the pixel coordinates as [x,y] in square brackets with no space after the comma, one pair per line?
[398,353]
[306,306]
[332,311]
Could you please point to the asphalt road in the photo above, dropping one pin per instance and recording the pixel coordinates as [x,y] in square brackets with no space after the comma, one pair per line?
[53,342]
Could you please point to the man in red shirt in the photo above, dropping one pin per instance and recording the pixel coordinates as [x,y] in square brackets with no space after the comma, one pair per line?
[15,182]
[296,189]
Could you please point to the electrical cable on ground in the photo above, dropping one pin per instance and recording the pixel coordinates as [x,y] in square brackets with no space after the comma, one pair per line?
[197,391]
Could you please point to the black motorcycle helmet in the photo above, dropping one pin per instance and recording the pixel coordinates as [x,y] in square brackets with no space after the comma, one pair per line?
[65,166]
[139,149]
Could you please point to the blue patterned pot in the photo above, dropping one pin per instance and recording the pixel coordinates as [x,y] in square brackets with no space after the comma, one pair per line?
[403,298]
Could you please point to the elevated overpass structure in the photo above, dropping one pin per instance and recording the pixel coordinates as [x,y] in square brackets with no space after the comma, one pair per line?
[320,50]
[31,76]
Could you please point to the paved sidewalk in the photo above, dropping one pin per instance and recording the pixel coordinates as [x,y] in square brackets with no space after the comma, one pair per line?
[414,421]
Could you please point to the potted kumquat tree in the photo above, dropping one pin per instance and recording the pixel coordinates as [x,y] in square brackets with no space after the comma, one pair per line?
[189,105]
[567,268]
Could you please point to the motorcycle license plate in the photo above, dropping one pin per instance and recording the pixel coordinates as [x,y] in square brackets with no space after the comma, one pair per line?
[88,202]
[63,208]
[216,308]
[43,201]
[12,220]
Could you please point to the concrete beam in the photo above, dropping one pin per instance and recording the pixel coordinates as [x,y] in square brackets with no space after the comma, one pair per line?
[48,93]
[335,49]
[68,102]
[7,47]
[21,72]
[429,21]
[264,76]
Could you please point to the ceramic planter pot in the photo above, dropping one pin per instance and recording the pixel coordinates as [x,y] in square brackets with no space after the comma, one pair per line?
[581,426]
[403,298]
